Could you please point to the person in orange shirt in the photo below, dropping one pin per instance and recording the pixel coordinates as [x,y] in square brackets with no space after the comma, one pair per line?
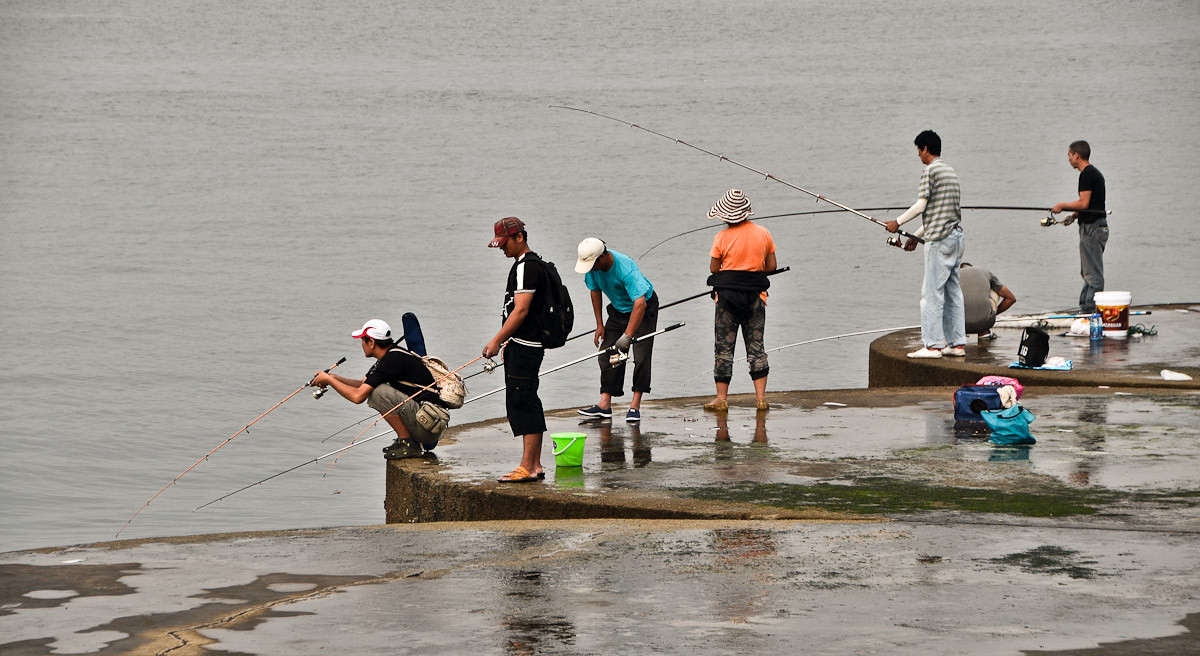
[742,254]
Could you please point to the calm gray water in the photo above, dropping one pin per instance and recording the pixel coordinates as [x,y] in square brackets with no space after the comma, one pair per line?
[199,201]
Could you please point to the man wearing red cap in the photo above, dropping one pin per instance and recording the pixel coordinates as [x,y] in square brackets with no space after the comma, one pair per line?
[393,386]
[519,337]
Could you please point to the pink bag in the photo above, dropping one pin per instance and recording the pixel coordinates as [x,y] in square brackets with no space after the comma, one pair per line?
[1001,381]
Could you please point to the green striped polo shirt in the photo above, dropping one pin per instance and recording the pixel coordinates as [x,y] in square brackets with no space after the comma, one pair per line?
[943,213]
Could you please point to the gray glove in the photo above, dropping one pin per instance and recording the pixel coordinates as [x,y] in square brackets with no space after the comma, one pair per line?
[623,343]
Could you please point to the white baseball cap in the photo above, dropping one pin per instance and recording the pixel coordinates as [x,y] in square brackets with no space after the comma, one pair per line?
[375,329]
[589,249]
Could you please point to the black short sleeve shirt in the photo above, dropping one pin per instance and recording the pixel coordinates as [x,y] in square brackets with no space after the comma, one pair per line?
[527,276]
[1091,180]
[403,370]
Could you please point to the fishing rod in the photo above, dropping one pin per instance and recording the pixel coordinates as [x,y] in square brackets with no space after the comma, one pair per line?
[1026,318]
[364,441]
[1048,221]
[590,356]
[489,366]
[813,341]
[766,175]
[245,429]
[695,296]
[406,400]
[673,303]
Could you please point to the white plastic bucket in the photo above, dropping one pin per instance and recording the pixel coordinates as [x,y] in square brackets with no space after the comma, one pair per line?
[1114,312]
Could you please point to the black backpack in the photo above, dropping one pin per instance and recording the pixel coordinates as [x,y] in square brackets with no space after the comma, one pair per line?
[557,315]
[1035,346]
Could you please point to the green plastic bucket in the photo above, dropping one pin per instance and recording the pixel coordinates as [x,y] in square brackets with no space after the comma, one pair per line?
[568,449]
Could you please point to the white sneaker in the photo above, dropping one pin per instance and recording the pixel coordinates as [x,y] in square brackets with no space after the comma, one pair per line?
[955,351]
[926,353]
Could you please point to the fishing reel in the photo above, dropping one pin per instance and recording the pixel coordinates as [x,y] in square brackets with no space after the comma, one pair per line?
[490,365]
[617,358]
[896,241]
[1049,221]
[319,392]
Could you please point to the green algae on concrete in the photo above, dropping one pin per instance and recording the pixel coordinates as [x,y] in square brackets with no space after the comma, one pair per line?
[1049,559]
[882,495]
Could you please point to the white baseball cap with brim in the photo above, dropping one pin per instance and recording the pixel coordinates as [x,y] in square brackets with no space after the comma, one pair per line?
[733,207]
[376,329]
[589,250]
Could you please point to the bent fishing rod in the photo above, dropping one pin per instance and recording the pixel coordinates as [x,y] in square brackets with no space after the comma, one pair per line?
[768,176]
[1048,221]
[245,429]
[813,341]
[364,441]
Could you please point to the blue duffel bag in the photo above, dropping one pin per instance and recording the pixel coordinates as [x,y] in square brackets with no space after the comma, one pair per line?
[970,401]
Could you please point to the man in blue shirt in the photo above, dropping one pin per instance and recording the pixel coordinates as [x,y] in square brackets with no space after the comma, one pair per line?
[632,312]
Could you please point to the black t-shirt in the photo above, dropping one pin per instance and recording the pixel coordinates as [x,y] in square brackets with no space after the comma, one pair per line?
[528,275]
[1091,180]
[405,371]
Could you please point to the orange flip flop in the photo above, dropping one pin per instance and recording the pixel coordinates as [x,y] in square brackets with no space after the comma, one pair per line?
[518,475]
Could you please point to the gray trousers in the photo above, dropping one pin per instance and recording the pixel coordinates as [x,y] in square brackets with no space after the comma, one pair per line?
[1092,239]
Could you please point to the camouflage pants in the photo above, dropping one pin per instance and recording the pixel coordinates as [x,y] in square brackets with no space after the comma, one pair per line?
[725,333]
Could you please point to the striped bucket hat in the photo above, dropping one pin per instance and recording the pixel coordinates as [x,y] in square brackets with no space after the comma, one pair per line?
[733,207]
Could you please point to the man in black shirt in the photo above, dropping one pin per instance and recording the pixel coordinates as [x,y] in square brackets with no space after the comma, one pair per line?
[1093,223]
[523,298]
[396,376]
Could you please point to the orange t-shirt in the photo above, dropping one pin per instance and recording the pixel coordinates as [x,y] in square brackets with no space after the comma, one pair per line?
[743,247]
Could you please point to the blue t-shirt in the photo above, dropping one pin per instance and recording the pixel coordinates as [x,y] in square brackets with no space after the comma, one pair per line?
[622,283]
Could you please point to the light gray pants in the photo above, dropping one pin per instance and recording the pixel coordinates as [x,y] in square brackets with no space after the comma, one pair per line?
[1092,239]
[385,397]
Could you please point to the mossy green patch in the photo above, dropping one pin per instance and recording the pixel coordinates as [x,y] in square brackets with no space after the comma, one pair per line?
[890,495]
[882,495]
[1049,560]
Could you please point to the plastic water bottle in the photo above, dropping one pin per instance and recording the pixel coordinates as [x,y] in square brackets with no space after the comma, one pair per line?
[1096,327]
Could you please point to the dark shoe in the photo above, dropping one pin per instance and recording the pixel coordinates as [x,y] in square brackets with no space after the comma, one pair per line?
[633,416]
[596,411]
[402,449]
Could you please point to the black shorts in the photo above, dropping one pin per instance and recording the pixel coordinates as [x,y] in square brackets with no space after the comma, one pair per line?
[521,365]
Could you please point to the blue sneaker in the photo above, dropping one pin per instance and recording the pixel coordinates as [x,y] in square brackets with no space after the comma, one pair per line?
[633,415]
[596,411]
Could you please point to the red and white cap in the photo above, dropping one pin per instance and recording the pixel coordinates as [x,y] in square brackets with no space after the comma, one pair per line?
[507,227]
[375,329]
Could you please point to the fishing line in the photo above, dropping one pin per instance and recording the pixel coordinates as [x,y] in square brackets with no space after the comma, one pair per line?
[308,462]
[768,176]
[245,429]
[364,441]
[812,341]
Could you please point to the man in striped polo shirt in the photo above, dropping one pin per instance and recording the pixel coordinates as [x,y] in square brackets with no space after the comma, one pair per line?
[943,322]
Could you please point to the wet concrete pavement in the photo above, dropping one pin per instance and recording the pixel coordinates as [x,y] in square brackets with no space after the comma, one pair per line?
[919,538]
[861,521]
[610,586]
[1136,361]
